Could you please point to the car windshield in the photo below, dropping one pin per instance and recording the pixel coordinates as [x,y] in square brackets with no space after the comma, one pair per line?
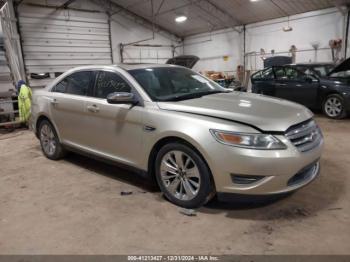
[174,83]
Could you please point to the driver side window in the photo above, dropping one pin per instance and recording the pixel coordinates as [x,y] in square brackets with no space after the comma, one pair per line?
[110,82]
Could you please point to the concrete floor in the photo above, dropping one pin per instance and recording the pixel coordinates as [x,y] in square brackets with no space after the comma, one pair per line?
[74,206]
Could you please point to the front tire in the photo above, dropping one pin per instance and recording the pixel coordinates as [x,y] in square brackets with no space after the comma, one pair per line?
[50,144]
[334,107]
[183,176]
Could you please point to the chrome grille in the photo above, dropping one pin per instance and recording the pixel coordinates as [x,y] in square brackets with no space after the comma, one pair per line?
[305,136]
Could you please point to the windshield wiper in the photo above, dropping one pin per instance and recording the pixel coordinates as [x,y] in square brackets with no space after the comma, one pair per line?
[194,95]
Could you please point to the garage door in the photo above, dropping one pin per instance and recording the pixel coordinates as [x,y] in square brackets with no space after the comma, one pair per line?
[54,41]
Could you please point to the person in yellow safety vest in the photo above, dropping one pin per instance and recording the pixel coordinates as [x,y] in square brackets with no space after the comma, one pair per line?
[24,101]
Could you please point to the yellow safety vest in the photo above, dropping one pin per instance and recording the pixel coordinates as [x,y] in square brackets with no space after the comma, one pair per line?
[24,103]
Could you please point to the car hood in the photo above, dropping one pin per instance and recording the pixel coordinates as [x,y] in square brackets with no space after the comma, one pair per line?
[184,60]
[262,112]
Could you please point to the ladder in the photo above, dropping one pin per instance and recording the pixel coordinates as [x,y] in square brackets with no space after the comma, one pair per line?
[12,114]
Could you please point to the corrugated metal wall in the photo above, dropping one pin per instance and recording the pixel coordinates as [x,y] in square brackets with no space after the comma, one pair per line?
[54,41]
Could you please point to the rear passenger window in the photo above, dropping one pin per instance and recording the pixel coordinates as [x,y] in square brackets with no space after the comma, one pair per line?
[110,82]
[76,84]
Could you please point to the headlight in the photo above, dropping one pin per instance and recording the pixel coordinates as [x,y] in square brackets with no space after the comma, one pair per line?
[248,140]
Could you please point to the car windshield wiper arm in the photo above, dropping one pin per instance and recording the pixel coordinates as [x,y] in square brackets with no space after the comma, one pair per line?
[195,95]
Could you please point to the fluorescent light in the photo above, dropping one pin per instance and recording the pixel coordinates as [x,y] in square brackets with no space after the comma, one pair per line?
[287,28]
[254,0]
[181,19]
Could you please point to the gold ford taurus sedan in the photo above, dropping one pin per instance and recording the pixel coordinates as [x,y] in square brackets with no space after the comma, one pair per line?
[196,138]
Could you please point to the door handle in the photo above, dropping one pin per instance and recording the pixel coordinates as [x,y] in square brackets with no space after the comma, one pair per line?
[280,84]
[93,108]
[53,101]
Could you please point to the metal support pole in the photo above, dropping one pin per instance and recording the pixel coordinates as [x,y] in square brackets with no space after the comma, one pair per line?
[121,51]
[347,34]
[244,57]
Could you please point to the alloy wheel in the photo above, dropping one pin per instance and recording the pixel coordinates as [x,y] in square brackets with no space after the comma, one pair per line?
[48,140]
[333,107]
[180,175]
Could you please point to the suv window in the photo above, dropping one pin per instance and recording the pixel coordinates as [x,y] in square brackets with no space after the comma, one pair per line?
[267,73]
[77,83]
[280,73]
[110,82]
[288,73]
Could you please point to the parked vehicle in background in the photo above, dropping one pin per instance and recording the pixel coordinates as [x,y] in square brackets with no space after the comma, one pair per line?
[330,92]
[196,138]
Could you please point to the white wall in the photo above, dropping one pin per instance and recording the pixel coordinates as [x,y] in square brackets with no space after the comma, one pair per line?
[125,30]
[308,28]
[318,26]
[212,47]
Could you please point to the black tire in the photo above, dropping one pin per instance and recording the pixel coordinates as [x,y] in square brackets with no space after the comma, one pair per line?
[206,188]
[58,152]
[333,113]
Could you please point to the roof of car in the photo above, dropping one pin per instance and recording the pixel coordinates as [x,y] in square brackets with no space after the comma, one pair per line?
[142,66]
[312,64]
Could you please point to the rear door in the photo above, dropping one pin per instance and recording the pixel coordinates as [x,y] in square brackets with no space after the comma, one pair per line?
[293,85]
[283,87]
[114,130]
[67,105]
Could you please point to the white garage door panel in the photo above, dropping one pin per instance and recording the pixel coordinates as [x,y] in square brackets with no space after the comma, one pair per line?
[59,43]
[36,35]
[55,49]
[65,62]
[54,41]
[65,56]
[64,29]
[51,69]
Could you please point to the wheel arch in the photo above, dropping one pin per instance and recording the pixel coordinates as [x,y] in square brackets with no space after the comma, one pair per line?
[39,120]
[173,139]
[329,93]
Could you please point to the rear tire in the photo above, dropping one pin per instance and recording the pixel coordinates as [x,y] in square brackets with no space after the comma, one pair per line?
[50,144]
[334,107]
[183,176]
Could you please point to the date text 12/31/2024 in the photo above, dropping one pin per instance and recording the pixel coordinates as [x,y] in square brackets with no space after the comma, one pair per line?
[173,258]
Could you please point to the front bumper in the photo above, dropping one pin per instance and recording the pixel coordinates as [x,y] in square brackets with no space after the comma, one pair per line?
[279,171]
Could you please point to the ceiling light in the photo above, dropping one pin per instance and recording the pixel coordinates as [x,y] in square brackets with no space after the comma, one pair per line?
[254,0]
[181,19]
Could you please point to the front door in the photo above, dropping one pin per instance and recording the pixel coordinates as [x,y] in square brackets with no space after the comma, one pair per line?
[113,130]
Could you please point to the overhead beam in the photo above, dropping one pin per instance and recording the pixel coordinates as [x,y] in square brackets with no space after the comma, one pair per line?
[112,8]
[211,9]
[233,19]
[66,4]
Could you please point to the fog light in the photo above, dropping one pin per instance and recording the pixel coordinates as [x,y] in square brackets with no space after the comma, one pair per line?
[244,179]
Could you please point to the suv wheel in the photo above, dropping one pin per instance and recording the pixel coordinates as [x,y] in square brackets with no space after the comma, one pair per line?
[334,107]
[183,176]
[49,142]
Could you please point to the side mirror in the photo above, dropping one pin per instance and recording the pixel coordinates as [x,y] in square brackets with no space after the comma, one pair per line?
[121,98]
